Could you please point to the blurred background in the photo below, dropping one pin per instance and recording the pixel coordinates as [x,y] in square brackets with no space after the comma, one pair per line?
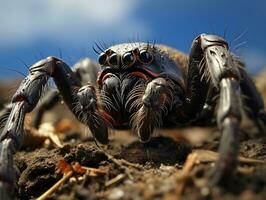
[34,29]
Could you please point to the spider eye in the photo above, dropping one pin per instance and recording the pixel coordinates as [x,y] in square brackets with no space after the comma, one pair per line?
[113,60]
[145,57]
[128,59]
[102,58]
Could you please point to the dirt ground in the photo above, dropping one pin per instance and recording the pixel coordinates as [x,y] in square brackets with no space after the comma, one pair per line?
[159,173]
[127,169]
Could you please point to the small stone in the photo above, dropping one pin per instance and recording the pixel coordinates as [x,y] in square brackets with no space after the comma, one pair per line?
[116,194]
[205,191]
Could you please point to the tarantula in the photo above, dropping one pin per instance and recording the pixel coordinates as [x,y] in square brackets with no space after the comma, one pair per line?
[145,87]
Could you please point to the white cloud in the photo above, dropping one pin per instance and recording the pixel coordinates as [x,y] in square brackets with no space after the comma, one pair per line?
[61,20]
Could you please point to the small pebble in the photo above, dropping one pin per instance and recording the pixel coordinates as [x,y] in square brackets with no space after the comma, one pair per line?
[246,147]
[116,194]
[205,191]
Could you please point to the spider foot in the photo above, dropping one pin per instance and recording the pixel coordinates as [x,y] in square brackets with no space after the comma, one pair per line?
[7,174]
[218,177]
[228,149]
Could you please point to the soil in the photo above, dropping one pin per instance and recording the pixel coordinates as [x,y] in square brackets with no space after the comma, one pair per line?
[159,170]
[156,171]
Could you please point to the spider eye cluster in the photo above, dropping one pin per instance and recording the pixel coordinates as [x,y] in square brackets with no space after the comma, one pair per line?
[127,59]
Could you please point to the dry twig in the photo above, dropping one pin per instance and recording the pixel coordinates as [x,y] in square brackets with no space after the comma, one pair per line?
[115,180]
[55,187]
[189,164]
[123,164]
[120,162]
[69,171]
[206,156]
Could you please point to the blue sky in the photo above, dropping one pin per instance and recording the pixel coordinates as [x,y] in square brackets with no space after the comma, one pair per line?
[33,29]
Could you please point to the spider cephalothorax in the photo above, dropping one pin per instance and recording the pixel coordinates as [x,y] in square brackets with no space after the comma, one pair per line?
[144,87]
[133,74]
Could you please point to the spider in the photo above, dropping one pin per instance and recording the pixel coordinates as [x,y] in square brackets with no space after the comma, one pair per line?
[145,87]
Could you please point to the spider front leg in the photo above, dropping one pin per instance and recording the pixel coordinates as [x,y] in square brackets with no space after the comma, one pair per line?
[25,100]
[218,69]
[90,114]
[156,100]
